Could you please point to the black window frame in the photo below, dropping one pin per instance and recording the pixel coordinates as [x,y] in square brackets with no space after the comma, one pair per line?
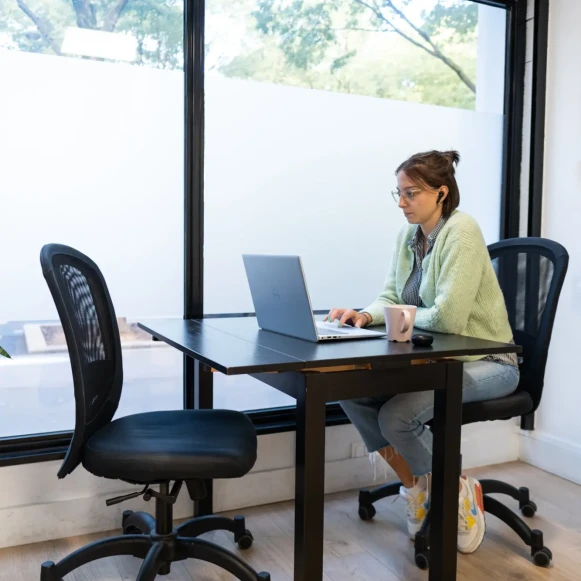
[53,446]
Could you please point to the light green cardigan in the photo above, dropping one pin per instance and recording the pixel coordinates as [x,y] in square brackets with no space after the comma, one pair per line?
[459,286]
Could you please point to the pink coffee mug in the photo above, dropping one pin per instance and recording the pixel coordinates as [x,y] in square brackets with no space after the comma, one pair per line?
[399,322]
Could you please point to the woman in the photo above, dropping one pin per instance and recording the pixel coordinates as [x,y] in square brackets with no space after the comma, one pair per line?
[441,264]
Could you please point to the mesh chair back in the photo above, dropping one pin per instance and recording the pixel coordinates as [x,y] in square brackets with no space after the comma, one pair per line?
[92,334]
[531,272]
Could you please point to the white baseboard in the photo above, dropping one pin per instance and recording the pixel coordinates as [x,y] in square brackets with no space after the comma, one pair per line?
[259,488]
[78,516]
[35,506]
[551,454]
[482,445]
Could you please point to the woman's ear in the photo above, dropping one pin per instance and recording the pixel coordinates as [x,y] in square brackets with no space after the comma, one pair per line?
[442,194]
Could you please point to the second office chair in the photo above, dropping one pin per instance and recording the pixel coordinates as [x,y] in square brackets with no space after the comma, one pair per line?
[150,449]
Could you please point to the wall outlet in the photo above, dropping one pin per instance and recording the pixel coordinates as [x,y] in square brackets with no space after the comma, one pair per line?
[358,450]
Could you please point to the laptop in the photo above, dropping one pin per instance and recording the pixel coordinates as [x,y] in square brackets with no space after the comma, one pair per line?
[282,303]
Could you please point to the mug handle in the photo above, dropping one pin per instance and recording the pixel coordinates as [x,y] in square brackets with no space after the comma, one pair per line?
[405,327]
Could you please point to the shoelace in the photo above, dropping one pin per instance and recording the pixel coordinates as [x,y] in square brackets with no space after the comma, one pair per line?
[414,508]
[464,517]
[462,523]
[417,507]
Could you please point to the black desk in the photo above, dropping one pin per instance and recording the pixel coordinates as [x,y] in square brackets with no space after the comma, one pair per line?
[318,373]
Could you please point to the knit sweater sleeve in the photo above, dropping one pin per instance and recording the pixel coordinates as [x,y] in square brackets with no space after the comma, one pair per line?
[462,264]
[388,295]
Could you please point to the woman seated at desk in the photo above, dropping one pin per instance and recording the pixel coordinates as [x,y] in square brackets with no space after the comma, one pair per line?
[440,264]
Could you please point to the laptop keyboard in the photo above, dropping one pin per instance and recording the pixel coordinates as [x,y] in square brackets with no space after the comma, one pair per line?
[323,331]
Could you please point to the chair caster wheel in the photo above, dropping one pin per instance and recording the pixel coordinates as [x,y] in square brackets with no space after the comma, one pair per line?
[245,542]
[366,511]
[47,572]
[422,561]
[126,515]
[263,576]
[129,530]
[529,509]
[542,557]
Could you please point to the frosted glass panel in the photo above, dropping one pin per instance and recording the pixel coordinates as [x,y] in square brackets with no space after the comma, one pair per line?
[313,177]
[301,147]
[92,157]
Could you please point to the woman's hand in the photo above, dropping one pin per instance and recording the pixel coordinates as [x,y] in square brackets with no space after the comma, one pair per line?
[348,316]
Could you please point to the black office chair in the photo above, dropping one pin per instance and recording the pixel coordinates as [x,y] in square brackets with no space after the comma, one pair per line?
[154,448]
[531,272]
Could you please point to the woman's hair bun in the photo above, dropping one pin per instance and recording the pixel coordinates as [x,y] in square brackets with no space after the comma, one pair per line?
[452,156]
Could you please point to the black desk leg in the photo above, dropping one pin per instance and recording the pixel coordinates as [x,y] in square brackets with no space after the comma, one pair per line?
[447,427]
[309,483]
[199,395]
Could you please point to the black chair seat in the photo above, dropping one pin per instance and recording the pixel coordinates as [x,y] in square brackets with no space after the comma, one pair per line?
[173,445]
[517,404]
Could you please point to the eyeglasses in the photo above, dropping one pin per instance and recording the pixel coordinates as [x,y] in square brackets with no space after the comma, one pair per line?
[408,194]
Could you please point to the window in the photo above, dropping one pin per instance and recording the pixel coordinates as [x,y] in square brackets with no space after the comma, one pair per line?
[91,143]
[310,107]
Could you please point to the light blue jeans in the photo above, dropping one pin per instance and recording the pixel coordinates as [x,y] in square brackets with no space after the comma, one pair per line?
[399,420]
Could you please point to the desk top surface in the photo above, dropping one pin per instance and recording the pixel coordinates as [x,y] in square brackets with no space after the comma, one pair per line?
[235,345]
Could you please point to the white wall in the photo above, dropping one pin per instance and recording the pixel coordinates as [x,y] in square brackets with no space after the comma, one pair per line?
[35,506]
[556,443]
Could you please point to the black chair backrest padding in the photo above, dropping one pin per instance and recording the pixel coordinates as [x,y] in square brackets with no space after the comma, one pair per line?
[531,272]
[92,334]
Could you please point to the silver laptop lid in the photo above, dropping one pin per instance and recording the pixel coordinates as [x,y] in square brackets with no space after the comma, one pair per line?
[280,296]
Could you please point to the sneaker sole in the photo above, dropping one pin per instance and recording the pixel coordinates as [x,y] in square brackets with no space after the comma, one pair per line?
[479,539]
[481,523]
[412,530]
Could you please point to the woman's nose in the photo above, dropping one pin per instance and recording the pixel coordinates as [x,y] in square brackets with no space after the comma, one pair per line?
[402,202]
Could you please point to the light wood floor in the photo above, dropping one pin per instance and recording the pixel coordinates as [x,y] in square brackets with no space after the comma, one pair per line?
[378,550]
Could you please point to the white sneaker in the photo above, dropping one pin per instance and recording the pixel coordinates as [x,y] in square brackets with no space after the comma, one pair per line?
[417,506]
[471,522]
